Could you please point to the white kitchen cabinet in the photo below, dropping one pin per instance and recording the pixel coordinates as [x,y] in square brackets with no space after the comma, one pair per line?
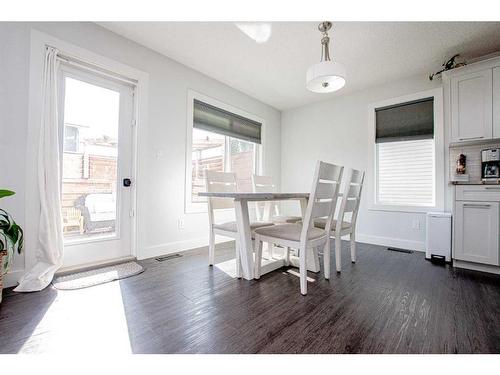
[476,232]
[471,105]
[496,102]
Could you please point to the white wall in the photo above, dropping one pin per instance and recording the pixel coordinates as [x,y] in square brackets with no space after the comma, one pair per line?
[160,201]
[14,81]
[336,130]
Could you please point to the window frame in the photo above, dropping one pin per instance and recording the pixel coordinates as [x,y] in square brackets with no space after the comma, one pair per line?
[439,175]
[201,207]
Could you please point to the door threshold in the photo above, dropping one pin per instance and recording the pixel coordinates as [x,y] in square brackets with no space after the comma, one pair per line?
[93,265]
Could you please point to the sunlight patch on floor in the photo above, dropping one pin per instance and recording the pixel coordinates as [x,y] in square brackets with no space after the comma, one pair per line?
[89,320]
[295,273]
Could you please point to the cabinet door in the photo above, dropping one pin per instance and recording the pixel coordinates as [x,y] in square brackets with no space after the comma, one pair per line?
[496,102]
[476,232]
[471,106]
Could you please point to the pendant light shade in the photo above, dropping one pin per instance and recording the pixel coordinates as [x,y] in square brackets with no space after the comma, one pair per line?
[325,76]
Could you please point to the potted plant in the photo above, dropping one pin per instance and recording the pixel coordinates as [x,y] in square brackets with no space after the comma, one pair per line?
[11,239]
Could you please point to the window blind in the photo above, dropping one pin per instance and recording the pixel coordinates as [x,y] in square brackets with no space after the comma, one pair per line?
[406,121]
[216,120]
[405,174]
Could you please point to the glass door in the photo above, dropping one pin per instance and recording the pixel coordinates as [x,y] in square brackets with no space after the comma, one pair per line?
[96,117]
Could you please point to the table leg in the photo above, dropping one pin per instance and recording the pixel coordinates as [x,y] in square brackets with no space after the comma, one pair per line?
[266,247]
[312,254]
[245,236]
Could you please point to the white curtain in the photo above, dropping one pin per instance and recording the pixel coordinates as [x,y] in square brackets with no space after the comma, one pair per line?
[50,237]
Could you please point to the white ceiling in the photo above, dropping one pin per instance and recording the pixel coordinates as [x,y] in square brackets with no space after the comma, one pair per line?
[274,72]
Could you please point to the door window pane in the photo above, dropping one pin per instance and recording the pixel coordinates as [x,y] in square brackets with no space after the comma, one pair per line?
[89,178]
[70,138]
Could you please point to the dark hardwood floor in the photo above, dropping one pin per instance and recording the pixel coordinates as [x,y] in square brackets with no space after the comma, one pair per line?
[387,302]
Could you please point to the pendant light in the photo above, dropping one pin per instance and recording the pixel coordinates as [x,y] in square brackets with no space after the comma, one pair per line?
[325,76]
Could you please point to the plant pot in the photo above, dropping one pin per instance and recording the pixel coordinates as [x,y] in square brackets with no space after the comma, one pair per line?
[3,255]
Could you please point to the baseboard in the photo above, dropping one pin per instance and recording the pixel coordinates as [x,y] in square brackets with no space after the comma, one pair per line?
[176,247]
[12,278]
[390,241]
[476,266]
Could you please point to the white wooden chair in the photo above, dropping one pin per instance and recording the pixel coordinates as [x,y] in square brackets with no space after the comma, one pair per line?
[223,182]
[269,210]
[351,197]
[322,203]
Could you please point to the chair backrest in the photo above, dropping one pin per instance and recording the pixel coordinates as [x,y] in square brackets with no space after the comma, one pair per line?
[264,184]
[351,196]
[323,197]
[220,182]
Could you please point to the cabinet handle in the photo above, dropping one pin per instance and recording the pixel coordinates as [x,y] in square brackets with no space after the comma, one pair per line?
[477,205]
[492,187]
[469,138]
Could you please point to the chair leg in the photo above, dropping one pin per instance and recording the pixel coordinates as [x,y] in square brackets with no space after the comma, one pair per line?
[258,258]
[338,248]
[238,261]
[303,270]
[211,248]
[287,256]
[326,259]
[353,248]
[265,249]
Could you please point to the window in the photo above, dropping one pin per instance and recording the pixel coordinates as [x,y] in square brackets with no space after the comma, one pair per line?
[406,173]
[221,140]
[208,153]
[405,153]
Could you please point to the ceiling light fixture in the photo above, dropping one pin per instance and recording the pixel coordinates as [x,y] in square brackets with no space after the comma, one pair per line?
[325,76]
[258,31]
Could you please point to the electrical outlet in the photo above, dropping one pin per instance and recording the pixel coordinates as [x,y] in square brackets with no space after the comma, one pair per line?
[180,224]
[159,154]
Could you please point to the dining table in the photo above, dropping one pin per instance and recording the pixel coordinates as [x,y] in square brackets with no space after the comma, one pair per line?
[241,206]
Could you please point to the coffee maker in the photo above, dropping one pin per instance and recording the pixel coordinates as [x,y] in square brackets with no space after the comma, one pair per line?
[490,166]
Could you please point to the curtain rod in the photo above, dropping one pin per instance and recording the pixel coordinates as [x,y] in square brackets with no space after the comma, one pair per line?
[93,67]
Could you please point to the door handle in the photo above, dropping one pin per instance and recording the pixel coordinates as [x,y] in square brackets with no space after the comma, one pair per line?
[127,182]
[477,205]
[470,138]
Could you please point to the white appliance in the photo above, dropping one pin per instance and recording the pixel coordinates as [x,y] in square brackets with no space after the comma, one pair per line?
[438,236]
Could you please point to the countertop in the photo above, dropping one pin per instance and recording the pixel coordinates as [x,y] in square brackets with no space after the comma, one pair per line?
[472,183]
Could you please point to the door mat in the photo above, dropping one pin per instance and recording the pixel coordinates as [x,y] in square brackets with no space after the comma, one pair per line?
[97,276]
